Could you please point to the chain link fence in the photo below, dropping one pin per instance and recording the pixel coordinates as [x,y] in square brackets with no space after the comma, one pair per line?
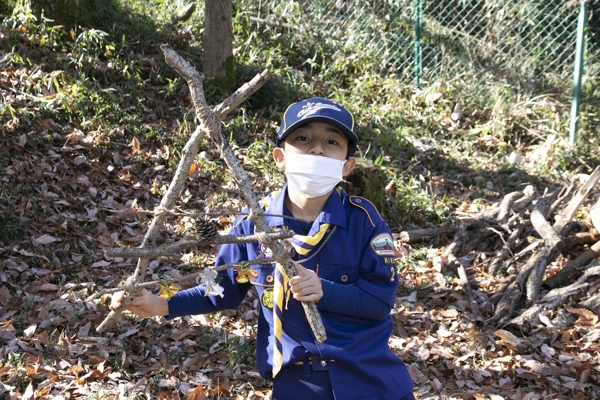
[530,41]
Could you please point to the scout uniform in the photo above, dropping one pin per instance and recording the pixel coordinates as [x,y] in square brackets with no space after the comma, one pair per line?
[348,244]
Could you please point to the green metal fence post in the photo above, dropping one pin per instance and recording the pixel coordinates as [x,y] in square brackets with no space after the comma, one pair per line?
[418,43]
[578,72]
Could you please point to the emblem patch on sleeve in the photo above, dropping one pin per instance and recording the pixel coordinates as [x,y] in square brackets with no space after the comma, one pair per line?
[266,298]
[383,245]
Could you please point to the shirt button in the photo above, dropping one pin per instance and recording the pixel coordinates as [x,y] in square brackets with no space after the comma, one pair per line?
[358,201]
[269,278]
[322,363]
[344,278]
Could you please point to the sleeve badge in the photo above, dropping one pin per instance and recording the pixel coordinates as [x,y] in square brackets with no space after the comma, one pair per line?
[383,245]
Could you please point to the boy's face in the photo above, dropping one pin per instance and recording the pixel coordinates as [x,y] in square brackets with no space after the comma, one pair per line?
[318,138]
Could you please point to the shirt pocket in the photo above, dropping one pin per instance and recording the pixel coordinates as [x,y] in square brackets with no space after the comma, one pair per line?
[293,318]
[264,275]
[344,274]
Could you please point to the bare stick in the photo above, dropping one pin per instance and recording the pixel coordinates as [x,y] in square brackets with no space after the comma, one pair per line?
[186,278]
[552,242]
[188,153]
[452,252]
[580,196]
[595,215]
[572,266]
[175,248]
[557,297]
[506,205]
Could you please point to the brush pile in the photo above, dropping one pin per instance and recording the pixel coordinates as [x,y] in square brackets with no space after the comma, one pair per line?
[533,265]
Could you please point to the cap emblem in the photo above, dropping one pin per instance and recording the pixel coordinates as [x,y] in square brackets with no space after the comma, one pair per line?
[312,108]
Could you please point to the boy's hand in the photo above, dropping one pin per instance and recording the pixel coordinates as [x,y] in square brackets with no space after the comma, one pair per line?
[144,304]
[306,286]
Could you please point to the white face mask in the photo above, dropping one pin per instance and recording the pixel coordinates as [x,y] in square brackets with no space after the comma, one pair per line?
[312,175]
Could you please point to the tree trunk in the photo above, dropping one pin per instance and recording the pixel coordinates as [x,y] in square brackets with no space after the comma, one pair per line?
[69,13]
[218,60]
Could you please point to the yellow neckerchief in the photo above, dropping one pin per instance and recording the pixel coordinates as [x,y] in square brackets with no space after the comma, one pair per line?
[303,244]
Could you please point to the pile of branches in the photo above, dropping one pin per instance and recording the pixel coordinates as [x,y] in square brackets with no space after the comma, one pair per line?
[522,221]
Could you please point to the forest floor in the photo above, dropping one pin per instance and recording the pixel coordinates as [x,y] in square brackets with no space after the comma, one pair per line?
[74,201]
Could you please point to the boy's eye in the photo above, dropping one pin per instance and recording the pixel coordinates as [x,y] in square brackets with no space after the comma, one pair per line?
[332,142]
[302,138]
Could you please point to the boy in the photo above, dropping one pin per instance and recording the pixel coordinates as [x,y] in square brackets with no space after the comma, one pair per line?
[344,255]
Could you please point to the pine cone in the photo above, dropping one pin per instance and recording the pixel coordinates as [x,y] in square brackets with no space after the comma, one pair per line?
[205,230]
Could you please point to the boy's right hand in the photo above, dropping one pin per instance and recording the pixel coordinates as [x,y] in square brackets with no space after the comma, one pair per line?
[144,304]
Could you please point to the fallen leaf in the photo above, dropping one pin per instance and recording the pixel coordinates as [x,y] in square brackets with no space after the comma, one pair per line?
[197,394]
[100,264]
[167,290]
[28,395]
[221,391]
[4,295]
[525,374]
[135,143]
[48,287]
[45,239]
[84,330]
[29,331]
[128,333]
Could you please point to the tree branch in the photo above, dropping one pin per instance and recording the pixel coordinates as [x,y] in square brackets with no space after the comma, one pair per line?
[209,120]
[173,249]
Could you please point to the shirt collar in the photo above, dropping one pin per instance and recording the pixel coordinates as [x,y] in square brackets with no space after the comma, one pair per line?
[333,213]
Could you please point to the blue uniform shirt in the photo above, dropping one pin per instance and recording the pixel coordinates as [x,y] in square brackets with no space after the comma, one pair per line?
[359,252]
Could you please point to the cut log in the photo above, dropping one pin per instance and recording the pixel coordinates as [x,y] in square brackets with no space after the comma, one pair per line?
[553,246]
[550,301]
[491,212]
[417,235]
[529,195]
[514,292]
[559,296]
[506,305]
[512,202]
[539,221]
[572,226]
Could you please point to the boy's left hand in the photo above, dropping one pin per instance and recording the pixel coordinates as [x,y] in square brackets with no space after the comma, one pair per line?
[306,286]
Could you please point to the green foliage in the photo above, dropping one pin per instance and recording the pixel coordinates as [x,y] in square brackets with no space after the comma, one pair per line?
[6,8]
[10,227]
[240,350]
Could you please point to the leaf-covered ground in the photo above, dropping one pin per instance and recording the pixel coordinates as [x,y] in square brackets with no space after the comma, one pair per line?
[70,201]
[68,193]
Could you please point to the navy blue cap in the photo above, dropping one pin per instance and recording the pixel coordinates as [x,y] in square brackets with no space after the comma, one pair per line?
[318,109]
